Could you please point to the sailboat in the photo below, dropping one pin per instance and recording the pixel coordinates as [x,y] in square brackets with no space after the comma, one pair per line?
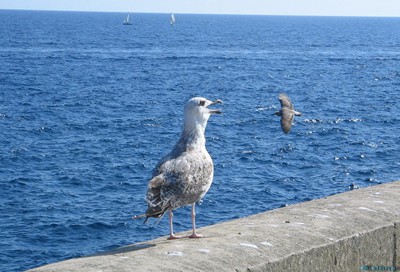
[127,21]
[172,19]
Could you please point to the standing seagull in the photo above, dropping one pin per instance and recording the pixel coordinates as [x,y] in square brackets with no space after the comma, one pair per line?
[286,113]
[183,176]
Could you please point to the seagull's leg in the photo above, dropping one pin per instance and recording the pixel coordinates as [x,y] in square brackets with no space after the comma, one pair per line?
[194,234]
[171,227]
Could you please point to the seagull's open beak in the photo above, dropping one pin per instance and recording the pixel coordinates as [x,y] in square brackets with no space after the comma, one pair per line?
[217,111]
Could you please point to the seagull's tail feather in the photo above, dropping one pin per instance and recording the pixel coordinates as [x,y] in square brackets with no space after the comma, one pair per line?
[156,206]
[156,215]
[140,216]
[156,212]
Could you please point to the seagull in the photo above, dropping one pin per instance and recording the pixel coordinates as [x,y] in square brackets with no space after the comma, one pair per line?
[183,176]
[286,113]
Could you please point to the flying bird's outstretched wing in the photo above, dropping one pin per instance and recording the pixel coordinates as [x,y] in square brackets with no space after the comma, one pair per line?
[286,113]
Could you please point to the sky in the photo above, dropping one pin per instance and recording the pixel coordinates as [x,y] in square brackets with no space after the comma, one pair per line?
[387,8]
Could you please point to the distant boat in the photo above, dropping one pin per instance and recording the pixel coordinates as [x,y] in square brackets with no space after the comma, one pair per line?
[127,21]
[172,19]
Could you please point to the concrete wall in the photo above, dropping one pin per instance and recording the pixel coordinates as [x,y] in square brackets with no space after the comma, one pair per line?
[353,231]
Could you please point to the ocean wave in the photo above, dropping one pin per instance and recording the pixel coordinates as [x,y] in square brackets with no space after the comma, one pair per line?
[335,121]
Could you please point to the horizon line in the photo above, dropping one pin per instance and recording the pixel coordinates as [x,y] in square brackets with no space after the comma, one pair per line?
[200,13]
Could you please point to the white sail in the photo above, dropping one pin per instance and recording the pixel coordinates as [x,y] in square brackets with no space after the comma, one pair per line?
[172,19]
[127,20]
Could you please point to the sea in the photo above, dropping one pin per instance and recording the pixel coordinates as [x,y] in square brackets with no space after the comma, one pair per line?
[88,106]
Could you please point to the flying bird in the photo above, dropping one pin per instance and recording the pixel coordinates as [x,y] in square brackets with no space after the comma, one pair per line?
[286,113]
[183,176]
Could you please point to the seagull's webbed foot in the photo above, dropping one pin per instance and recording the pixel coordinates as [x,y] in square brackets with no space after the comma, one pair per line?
[196,235]
[174,237]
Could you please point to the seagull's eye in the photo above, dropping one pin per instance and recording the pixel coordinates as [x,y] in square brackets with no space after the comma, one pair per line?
[202,103]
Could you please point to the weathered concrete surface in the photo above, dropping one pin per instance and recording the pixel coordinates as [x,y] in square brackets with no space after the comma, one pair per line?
[338,233]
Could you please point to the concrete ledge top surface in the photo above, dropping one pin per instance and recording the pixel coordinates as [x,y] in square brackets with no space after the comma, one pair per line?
[258,240]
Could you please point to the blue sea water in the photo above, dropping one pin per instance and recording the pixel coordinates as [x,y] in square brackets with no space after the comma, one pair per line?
[88,106]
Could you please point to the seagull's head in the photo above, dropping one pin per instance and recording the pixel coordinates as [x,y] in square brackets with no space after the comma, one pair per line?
[197,110]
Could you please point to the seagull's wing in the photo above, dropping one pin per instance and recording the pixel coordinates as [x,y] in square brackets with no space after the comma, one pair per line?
[286,120]
[285,101]
[178,181]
